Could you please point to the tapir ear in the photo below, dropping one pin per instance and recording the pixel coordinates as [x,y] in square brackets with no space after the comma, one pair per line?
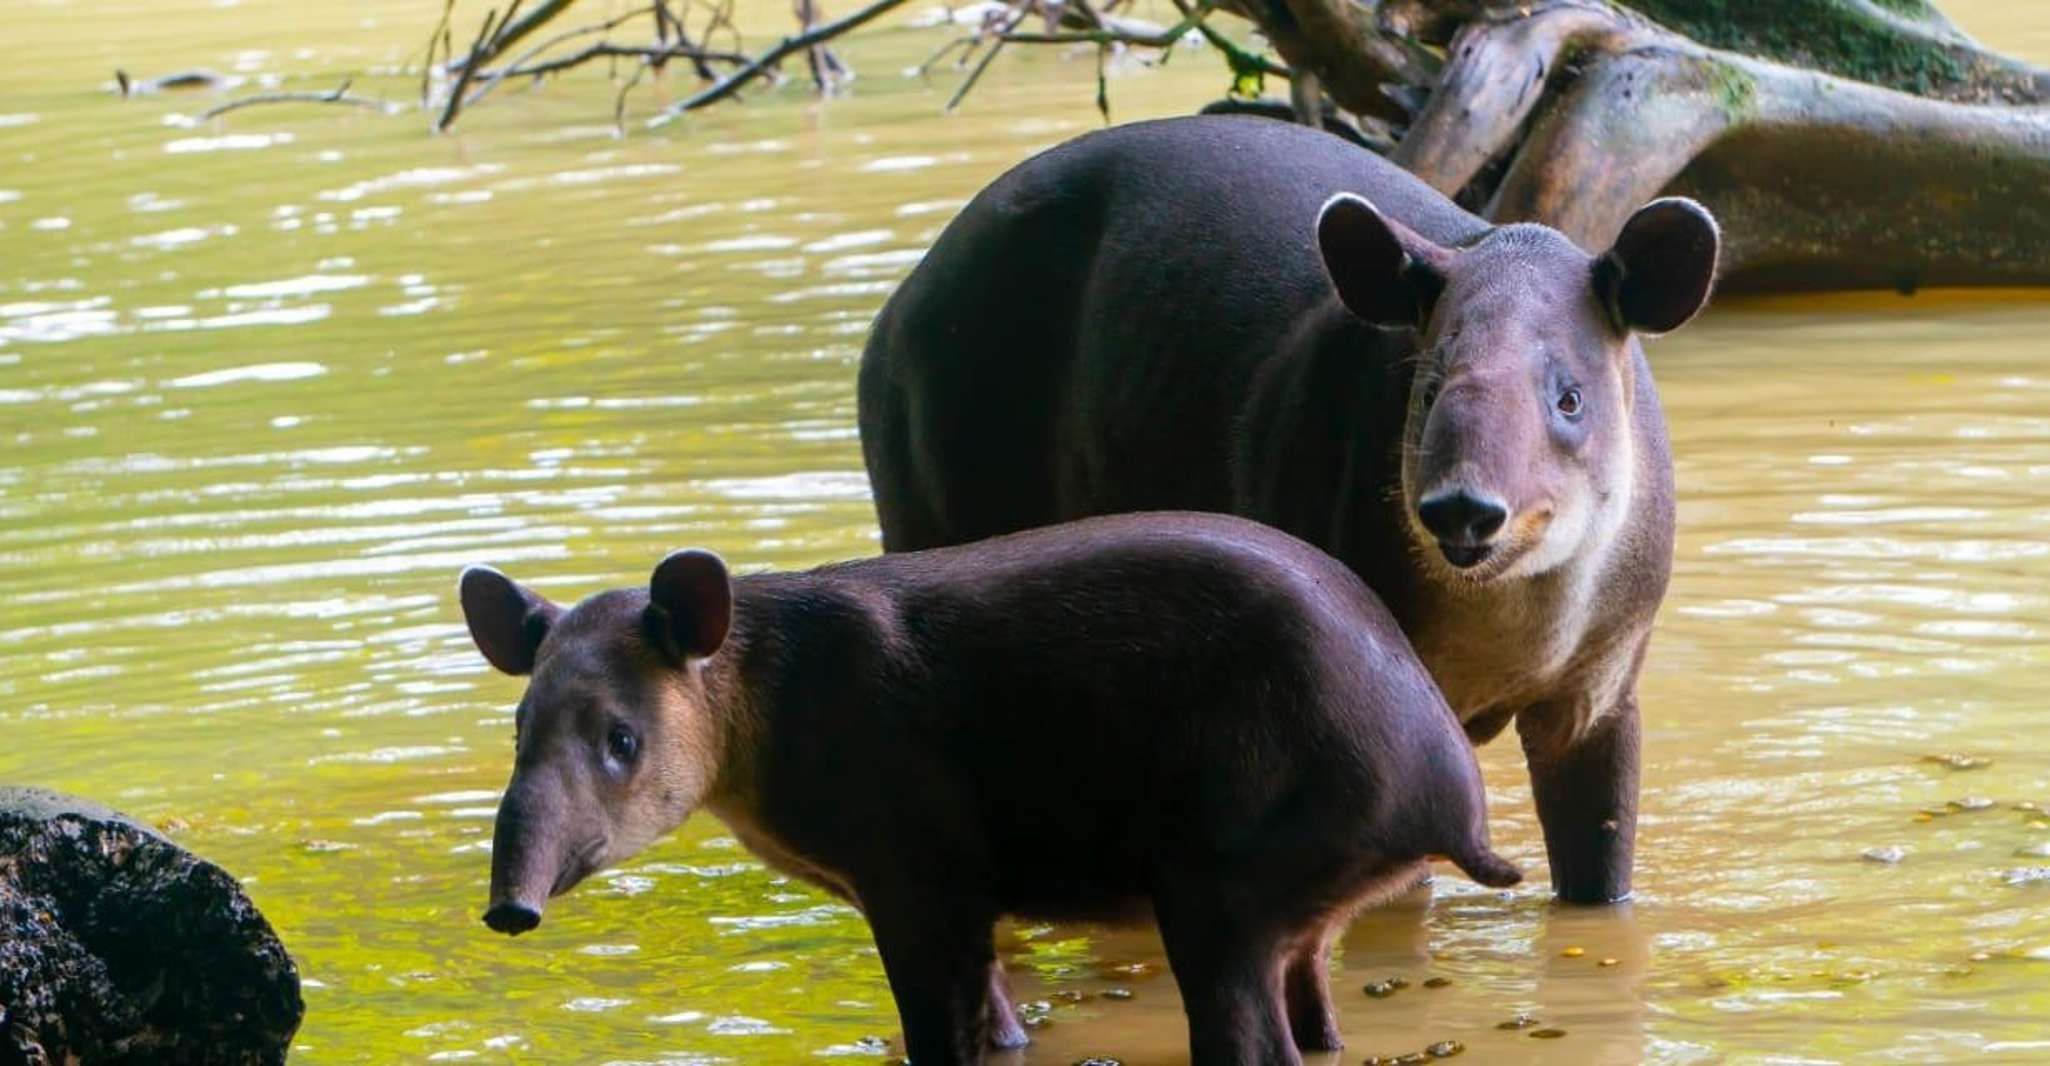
[1660,271]
[507,619]
[1384,272]
[690,604]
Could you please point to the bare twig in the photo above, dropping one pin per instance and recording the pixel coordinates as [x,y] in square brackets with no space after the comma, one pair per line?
[966,41]
[512,31]
[1003,35]
[448,51]
[669,24]
[338,95]
[493,78]
[721,18]
[1102,85]
[619,101]
[788,46]
[1115,31]
[455,92]
[495,43]
[608,50]
[439,35]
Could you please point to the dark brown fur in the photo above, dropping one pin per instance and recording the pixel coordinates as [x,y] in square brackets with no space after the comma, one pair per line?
[1252,317]
[1189,717]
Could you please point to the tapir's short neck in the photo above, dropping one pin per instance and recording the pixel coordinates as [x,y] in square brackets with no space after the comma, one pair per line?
[784,659]
[730,728]
[778,620]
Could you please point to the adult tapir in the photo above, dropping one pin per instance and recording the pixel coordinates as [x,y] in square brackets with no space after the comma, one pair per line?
[1248,316]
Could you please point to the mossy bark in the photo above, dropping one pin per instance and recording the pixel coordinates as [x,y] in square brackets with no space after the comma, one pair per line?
[1843,143]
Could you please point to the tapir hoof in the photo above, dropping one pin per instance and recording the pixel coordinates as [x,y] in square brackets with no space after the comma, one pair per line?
[1005,1031]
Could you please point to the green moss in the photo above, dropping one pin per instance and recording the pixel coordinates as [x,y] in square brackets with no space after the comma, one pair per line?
[1828,35]
[1919,10]
[1734,88]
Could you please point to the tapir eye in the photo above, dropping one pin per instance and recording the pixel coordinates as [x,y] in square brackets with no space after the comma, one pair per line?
[621,745]
[1570,403]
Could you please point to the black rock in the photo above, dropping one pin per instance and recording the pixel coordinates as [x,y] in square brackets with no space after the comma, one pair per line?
[119,947]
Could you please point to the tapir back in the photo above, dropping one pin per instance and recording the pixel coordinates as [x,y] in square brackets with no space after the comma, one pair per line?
[1064,329]
[1109,696]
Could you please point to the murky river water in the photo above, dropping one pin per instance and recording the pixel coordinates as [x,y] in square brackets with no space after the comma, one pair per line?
[267,384]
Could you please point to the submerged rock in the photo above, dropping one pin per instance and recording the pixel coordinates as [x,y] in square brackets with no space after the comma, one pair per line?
[119,947]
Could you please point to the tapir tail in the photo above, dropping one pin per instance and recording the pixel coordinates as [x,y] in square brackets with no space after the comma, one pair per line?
[1483,865]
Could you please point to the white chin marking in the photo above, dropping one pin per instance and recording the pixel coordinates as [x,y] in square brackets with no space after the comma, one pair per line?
[1556,546]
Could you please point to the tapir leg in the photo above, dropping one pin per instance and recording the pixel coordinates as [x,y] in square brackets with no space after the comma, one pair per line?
[1229,966]
[1006,1032]
[1312,1020]
[939,956]
[1586,791]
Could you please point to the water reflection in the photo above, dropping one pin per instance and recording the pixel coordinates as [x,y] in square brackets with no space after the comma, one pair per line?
[265,387]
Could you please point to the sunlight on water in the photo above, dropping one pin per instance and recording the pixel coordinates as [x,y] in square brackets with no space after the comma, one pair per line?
[268,383]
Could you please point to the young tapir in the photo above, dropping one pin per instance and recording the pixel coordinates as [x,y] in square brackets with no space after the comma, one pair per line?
[1240,315]
[1189,716]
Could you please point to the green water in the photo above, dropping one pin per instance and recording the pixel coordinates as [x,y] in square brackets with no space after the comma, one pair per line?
[267,384]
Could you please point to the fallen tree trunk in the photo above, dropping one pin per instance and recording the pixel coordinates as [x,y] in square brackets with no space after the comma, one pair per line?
[1822,181]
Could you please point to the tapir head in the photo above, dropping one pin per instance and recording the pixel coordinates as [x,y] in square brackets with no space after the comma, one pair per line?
[1520,445]
[617,739]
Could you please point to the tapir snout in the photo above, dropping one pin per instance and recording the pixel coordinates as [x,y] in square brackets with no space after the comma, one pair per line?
[1465,521]
[532,856]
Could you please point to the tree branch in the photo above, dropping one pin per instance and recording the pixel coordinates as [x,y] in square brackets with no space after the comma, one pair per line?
[1497,75]
[788,46]
[455,92]
[338,95]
